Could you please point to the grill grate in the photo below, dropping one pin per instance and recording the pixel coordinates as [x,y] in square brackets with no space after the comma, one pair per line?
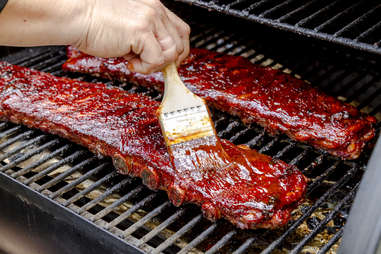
[73,177]
[352,23]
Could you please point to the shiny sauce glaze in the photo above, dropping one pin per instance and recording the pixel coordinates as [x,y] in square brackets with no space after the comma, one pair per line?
[252,191]
[275,100]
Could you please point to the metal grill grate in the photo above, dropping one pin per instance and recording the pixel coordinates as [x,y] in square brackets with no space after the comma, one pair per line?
[356,24]
[73,177]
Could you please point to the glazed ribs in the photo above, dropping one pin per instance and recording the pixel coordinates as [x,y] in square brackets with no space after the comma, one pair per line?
[275,100]
[260,193]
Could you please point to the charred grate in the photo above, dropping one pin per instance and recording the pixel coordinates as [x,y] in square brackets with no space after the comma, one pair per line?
[355,24]
[73,177]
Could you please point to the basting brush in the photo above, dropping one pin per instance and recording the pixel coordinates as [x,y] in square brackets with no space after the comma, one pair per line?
[186,124]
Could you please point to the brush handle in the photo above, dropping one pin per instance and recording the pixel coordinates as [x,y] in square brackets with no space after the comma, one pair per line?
[170,73]
[172,80]
[176,94]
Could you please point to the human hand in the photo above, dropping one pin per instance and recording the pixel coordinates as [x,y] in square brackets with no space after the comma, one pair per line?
[144,32]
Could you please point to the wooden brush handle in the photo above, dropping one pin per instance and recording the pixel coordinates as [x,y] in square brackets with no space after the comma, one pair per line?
[172,78]
[170,72]
[176,95]
[175,92]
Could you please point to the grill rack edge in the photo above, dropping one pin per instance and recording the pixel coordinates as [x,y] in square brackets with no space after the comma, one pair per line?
[352,33]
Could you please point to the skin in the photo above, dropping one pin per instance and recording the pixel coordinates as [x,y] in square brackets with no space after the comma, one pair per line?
[144,32]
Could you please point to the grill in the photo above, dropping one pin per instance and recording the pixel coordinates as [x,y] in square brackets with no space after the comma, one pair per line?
[120,210]
[352,23]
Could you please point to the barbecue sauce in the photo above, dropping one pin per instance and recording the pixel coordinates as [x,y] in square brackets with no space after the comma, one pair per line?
[255,192]
[276,100]
[200,155]
[209,166]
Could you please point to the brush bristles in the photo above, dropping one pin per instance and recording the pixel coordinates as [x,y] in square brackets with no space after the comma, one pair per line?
[186,124]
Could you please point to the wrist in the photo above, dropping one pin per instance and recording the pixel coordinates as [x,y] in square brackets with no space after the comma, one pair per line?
[73,20]
[79,19]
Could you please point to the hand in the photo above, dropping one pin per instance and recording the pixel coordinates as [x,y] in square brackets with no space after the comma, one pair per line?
[144,32]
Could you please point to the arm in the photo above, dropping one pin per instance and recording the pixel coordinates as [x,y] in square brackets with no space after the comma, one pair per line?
[42,22]
[143,31]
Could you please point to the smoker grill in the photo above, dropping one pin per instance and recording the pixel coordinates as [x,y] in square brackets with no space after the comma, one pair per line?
[60,198]
[351,23]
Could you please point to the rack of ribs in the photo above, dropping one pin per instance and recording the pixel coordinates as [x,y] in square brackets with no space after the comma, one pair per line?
[260,192]
[273,99]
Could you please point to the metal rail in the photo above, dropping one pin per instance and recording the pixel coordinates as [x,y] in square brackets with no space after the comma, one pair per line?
[309,19]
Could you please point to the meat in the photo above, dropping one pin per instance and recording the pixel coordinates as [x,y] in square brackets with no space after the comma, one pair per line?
[275,100]
[256,192]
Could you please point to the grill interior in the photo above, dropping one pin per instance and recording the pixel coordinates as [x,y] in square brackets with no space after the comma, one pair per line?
[89,186]
[356,24]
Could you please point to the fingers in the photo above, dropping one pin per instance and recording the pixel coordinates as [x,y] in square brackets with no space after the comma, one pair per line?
[183,28]
[150,56]
[184,32]
[144,32]
[185,53]
[178,44]
[166,42]
[164,39]
[162,47]
[172,33]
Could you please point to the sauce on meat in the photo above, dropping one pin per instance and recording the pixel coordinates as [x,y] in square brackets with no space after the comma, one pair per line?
[275,100]
[249,189]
